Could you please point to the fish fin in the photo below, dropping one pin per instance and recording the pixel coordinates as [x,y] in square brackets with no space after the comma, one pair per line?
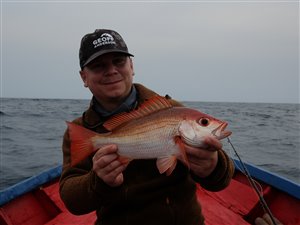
[173,166]
[150,106]
[166,164]
[81,142]
[183,157]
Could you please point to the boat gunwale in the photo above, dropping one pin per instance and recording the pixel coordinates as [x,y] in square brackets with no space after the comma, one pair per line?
[274,180]
[29,184]
[32,183]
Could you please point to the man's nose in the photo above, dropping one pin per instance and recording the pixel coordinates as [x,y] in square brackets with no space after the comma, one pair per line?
[110,68]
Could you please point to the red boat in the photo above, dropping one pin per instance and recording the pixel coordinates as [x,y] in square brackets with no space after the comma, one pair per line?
[36,201]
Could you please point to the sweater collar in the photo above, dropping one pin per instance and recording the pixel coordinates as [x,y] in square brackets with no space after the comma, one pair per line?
[93,120]
[126,106]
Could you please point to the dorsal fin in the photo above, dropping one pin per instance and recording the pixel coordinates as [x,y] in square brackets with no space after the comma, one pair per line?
[150,106]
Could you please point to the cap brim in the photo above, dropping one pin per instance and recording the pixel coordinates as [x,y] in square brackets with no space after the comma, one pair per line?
[97,54]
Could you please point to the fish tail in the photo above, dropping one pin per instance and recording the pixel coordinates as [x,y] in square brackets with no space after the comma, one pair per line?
[81,142]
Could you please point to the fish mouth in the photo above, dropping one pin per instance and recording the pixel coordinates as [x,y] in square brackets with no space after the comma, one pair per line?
[220,131]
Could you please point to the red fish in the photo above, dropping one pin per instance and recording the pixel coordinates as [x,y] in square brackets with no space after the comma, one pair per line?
[155,130]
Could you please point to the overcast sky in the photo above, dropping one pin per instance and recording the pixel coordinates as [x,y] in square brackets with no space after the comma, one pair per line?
[225,51]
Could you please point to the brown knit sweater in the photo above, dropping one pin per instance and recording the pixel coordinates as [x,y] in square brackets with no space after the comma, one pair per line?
[145,197]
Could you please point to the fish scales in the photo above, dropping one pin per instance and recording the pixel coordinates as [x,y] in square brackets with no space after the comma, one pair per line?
[148,137]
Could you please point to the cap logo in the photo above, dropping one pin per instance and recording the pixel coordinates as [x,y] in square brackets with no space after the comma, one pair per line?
[105,39]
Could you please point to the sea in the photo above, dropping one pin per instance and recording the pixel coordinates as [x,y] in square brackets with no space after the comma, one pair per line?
[264,134]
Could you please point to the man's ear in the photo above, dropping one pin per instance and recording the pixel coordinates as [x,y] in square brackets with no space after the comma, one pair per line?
[131,66]
[83,77]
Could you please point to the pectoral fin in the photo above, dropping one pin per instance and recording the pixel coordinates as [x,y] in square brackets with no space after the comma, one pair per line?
[166,164]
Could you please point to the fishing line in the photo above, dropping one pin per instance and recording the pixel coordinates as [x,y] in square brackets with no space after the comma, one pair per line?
[252,182]
[236,164]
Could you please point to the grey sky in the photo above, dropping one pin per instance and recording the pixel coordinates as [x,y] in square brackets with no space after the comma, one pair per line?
[233,51]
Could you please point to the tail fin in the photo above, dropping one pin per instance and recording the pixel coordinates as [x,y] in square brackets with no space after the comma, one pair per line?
[81,142]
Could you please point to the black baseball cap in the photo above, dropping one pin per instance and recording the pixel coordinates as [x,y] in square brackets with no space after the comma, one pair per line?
[100,42]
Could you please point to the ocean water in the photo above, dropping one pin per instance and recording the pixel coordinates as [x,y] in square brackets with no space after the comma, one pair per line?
[266,135]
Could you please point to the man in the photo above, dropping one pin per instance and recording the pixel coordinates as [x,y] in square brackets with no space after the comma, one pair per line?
[135,192]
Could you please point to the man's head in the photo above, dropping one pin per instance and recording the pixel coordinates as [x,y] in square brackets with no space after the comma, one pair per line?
[106,67]
[100,42]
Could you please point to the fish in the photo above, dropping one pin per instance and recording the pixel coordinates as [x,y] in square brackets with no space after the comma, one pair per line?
[155,130]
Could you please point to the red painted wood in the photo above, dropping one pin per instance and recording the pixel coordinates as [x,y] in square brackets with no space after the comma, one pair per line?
[237,204]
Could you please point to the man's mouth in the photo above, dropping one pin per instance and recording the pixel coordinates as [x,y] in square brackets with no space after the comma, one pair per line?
[110,82]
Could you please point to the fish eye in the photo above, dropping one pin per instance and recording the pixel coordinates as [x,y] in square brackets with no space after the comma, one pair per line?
[204,122]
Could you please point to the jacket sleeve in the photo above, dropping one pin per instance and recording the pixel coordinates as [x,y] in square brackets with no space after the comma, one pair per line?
[220,177]
[80,188]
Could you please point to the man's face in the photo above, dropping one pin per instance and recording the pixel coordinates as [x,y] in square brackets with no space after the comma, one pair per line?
[109,77]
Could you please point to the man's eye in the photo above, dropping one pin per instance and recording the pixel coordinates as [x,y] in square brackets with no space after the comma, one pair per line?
[119,61]
[97,66]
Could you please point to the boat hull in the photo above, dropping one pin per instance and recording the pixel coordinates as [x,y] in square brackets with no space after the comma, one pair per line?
[36,201]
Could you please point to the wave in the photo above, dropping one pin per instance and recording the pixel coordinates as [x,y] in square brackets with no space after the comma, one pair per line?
[2,113]
[39,115]
[261,115]
[6,127]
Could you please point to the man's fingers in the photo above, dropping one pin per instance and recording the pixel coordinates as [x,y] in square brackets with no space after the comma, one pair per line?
[118,180]
[115,177]
[108,167]
[260,221]
[266,220]
[105,150]
[106,161]
[213,144]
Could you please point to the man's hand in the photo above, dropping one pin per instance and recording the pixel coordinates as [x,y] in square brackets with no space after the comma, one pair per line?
[204,160]
[266,220]
[108,167]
